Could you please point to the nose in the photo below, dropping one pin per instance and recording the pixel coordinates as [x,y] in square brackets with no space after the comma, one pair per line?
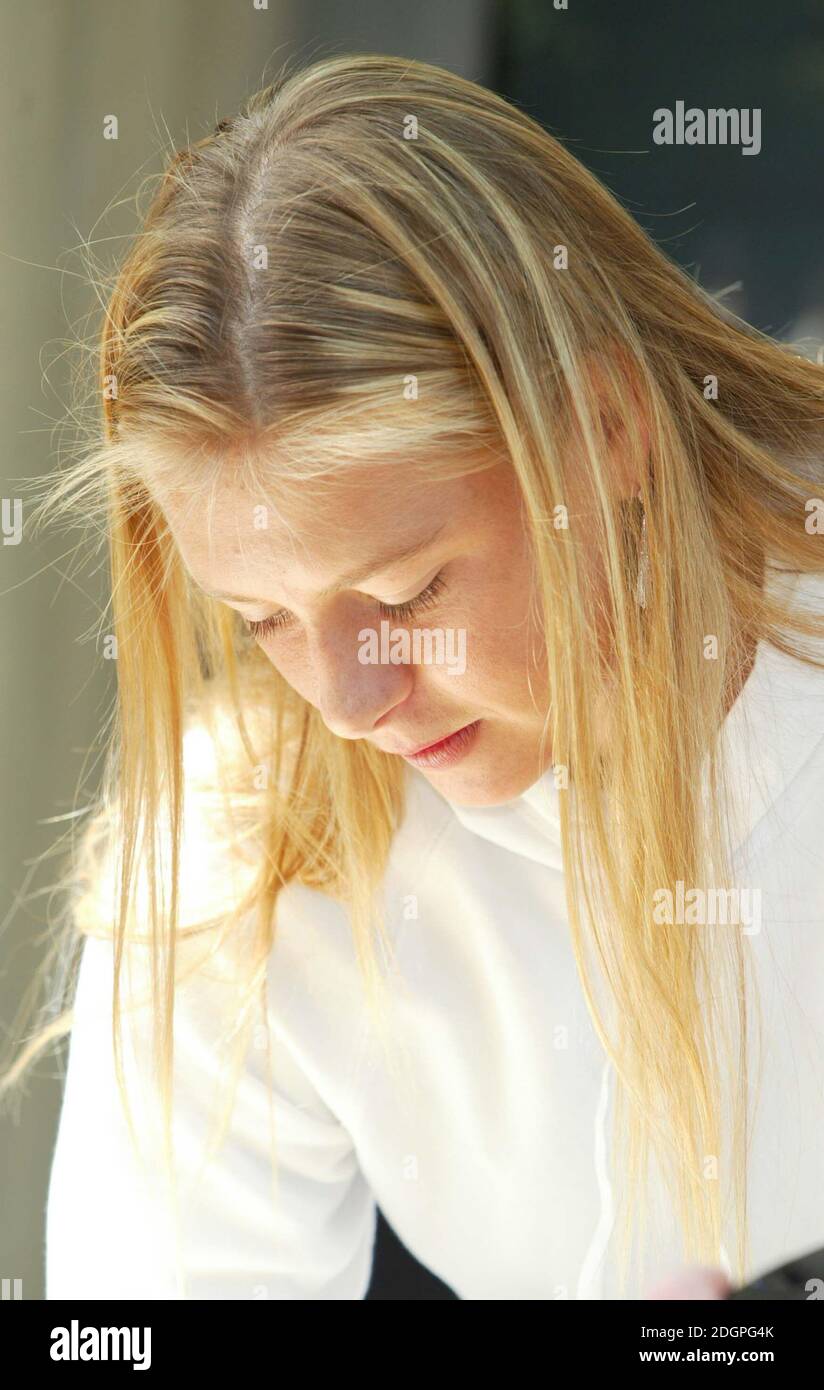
[354,696]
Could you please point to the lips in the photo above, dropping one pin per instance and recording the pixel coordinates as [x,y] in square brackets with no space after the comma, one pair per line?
[447,750]
[428,747]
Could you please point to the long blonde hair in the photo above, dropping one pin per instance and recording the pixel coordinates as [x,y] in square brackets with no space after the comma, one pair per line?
[366,222]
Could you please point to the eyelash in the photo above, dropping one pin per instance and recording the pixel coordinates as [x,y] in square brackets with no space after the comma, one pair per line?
[266,626]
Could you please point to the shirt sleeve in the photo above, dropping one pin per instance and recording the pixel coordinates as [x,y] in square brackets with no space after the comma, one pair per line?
[111,1232]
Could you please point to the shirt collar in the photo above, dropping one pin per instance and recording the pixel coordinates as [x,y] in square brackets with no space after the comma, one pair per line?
[528,825]
[775,724]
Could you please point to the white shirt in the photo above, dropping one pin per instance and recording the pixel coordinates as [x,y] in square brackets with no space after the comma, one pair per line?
[488,1152]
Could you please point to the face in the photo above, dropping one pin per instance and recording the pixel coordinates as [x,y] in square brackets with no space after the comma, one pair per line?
[338,577]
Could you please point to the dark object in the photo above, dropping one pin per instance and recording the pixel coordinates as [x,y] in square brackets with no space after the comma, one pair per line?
[397,1275]
[802,1278]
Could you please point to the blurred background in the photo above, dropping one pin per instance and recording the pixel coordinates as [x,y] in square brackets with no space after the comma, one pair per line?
[592,71]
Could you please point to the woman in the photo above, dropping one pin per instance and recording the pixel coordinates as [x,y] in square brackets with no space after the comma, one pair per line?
[388,376]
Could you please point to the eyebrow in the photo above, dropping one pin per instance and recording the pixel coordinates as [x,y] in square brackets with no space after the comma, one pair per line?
[376,564]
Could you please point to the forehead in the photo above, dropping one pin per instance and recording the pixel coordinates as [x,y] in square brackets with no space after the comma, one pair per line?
[316,527]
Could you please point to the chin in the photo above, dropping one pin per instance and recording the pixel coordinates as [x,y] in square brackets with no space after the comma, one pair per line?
[487,783]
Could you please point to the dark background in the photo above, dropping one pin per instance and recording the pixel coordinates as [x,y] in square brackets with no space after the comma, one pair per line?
[595,74]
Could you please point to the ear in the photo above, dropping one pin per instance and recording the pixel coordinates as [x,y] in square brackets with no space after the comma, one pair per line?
[616,380]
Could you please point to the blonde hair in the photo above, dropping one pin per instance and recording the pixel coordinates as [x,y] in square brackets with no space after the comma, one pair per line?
[363,220]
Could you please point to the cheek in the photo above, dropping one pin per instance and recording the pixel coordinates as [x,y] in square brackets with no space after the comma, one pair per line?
[505,619]
[505,647]
[289,654]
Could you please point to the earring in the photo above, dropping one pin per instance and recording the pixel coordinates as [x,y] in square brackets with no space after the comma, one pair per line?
[642,579]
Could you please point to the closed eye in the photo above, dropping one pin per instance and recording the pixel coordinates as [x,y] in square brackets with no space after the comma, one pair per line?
[424,599]
[265,627]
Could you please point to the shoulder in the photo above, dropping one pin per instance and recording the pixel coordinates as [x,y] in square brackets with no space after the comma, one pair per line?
[222,841]
[311,917]
[217,795]
[217,859]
